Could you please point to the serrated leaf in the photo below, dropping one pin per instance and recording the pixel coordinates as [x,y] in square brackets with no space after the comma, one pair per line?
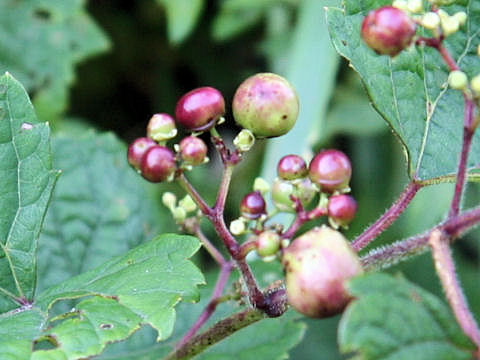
[266,339]
[26,184]
[391,318]
[409,90]
[40,43]
[182,16]
[149,280]
[17,332]
[100,207]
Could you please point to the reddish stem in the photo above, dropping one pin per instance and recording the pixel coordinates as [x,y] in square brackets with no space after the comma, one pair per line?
[212,250]
[445,268]
[388,217]
[302,217]
[225,271]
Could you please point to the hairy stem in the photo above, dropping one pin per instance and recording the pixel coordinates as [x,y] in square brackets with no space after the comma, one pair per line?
[225,271]
[216,333]
[388,217]
[445,268]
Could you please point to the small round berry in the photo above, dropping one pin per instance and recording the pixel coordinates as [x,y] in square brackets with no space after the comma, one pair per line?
[458,80]
[200,109]
[317,264]
[268,243]
[266,104]
[161,127]
[291,167]
[388,30]
[342,209]
[475,84]
[282,191]
[252,205]
[193,150]
[331,170]
[158,164]
[137,149]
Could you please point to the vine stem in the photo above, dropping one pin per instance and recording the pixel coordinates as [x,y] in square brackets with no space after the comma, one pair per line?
[212,250]
[445,268]
[388,217]
[225,271]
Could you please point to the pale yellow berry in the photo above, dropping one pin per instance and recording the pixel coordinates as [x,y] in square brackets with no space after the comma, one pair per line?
[261,185]
[169,199]
[400,4]
[415,6]
[450,25]
[179,214]
[430,20]
[244,140]
[461,17]
[457,80]
[188,204]
[475,84]
[478,50]
[237,227]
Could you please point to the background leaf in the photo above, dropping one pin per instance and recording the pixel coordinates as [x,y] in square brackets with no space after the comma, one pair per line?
[166,278]
[429,124]
[27,181]
[41,41]
[394,319]
[100,208]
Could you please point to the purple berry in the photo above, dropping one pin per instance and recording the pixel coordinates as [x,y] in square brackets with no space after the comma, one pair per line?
[266,104]
[331,170]
[158,164]
[200,109]
[388,30]
[342,209]
[291,167]
[317,264]
[252,205]
[193,150]
[137,149]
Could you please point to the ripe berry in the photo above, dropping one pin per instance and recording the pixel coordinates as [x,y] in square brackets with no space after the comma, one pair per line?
[268,243]
[331,170]
[161,127]
[200,109]
[252,205]
[291,167]
[158,164]
[342,209]
[317,264]
[388,30]
[137,149]
[193,150]
[266,104]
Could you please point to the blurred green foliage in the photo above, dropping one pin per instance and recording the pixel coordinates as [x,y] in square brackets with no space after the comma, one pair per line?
[157,50]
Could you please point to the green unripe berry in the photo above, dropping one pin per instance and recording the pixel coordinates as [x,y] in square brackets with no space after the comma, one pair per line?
[161,127]
[268,243]
[457,80]
[475,84]
[266,104]
[431,20]
[244,140]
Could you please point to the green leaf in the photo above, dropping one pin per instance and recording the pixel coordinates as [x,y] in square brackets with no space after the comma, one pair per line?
[182,16]
[394,319]
[149,280]
[266,339]
[27,181]
[100,207]
[40,43]
[17,332]
[409,90]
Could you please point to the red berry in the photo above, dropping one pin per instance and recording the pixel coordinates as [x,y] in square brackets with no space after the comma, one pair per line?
[388,30]
[200,109]
[317,264]
[331,170]
[158,164]
[266,104]
[193,150]
[137,149]
[291,167]
[342,209]
[252,205]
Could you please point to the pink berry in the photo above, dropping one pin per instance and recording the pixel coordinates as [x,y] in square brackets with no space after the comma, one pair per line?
[291,167]
[252,205]
[331,170]
[317,265]
[193,150]
[388,30]
[200,109]
[137,149]
[158,164]
[342,209]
